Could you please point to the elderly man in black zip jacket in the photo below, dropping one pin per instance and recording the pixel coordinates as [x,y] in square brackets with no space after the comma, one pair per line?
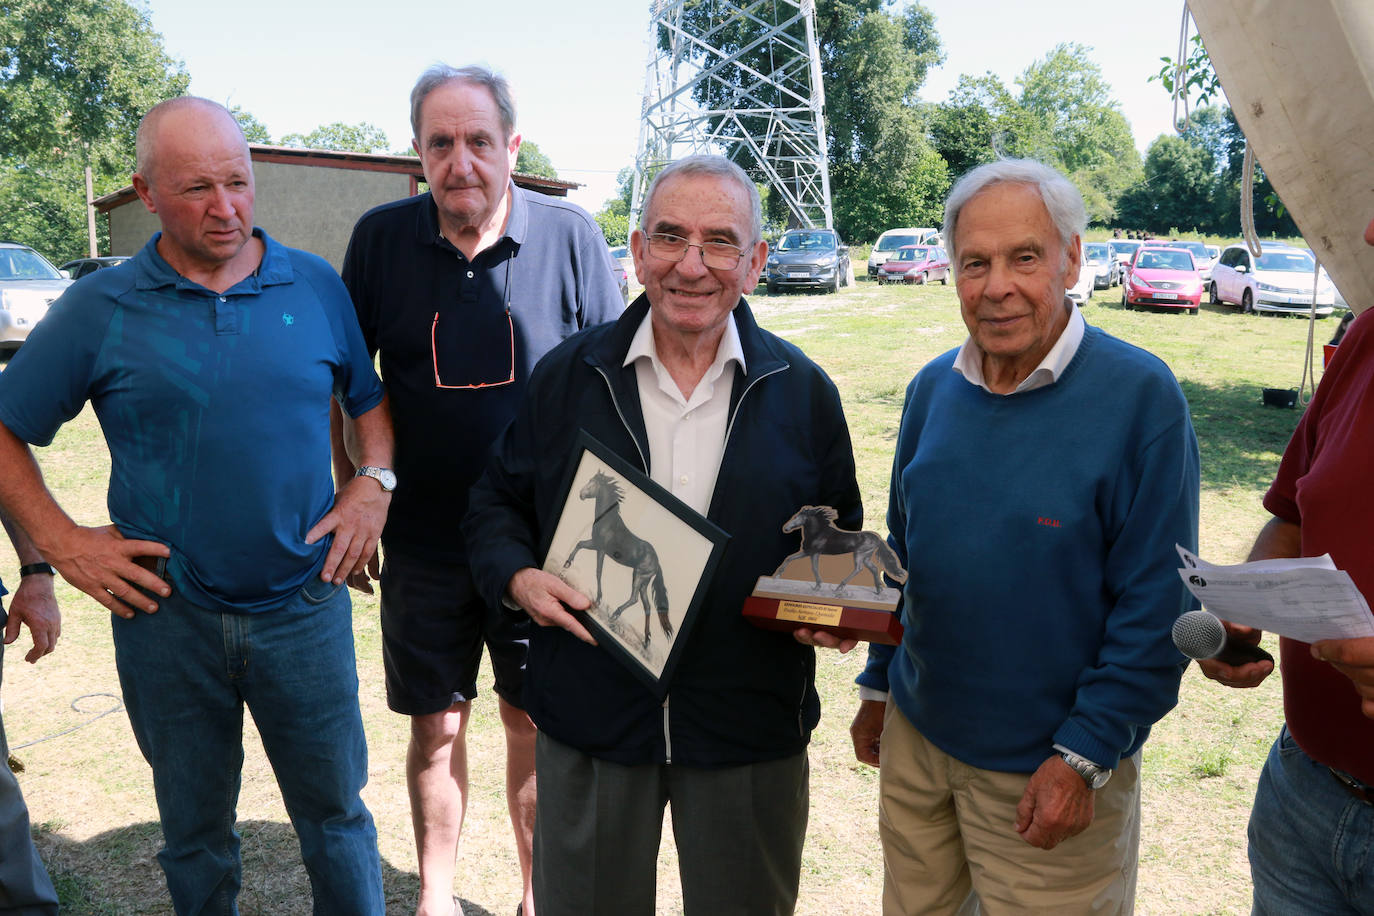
[744,428]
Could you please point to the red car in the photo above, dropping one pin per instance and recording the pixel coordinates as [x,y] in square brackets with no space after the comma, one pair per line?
[1162,276]
[915,264]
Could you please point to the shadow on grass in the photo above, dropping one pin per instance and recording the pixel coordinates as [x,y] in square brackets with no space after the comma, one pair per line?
[1238,437]
[117,873]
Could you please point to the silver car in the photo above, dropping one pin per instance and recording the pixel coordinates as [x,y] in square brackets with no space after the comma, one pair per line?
[1099,260]
[28,285]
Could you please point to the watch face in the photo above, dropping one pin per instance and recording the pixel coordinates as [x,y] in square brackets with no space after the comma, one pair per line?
[387,478]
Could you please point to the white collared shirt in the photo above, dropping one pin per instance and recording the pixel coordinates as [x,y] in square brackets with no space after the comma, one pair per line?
[969,361]
[686,435]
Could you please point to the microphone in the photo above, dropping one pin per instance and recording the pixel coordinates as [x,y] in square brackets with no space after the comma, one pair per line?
[1200,635]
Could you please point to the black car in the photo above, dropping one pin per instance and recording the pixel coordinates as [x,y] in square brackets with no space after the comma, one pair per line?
[82,266]
[814,258]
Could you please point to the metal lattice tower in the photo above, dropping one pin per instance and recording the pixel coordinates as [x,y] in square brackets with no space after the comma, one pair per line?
[742,79]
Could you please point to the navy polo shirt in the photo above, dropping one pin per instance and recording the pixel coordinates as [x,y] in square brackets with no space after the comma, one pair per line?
[215,408]
[458,338]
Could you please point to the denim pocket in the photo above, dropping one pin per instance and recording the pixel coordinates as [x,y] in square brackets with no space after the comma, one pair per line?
[317,591]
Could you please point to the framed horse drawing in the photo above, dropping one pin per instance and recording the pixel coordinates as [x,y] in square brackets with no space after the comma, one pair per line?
[640,555]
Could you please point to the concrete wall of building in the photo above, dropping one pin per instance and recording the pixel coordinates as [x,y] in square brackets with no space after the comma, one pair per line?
[309,207]
[315,208]
[131,225]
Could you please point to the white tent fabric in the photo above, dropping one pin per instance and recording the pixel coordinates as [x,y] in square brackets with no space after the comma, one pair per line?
[1299,75]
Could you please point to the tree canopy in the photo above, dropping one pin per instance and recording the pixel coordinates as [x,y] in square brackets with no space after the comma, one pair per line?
[532,161]
[351,138]
[75,78]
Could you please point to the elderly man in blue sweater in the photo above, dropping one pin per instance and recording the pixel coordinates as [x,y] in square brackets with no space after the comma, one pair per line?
[1044,472]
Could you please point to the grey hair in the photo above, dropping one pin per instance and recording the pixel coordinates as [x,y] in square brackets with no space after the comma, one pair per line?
[143,140]
[442,74]
[715,167]
[1061,198]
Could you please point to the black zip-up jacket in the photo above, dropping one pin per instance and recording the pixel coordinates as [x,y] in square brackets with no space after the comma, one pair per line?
[739,694]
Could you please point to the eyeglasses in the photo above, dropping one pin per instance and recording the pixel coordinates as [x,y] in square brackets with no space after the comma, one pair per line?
[717,255]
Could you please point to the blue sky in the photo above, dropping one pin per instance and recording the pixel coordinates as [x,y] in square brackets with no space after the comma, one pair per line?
[577,69]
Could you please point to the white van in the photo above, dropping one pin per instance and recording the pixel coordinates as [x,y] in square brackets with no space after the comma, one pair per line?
[892,239]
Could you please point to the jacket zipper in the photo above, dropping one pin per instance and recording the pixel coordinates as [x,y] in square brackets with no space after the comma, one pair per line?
[644,463]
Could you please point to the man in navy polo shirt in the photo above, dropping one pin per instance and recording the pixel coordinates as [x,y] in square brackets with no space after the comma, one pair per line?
[210,359]
[462,290]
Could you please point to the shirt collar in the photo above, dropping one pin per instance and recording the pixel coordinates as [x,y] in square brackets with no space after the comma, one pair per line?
[517,220]
[155,273]
[642,347]
[969,361]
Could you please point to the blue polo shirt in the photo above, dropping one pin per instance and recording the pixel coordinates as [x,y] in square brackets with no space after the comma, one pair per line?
[459,337]
[215,408]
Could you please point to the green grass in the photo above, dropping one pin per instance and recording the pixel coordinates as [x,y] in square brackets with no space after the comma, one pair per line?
[90,791]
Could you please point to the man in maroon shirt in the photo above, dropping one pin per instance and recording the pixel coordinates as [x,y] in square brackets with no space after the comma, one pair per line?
[1313,820]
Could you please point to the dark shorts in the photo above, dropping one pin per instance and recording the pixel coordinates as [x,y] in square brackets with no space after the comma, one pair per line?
[433,626]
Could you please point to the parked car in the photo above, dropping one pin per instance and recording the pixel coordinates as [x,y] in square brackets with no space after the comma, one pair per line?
[893,239]
[919,264]
[622,275]
[808,258]
[1099,261]
[1162,276]
[1280,280]
[28,285]
[1082,290]
[82,266]
[1202,257]
[1122,250]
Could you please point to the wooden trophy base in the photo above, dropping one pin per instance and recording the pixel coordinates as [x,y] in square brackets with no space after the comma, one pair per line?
[787,614]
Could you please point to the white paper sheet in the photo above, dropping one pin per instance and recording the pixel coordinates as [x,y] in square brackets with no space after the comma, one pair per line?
[1307,598]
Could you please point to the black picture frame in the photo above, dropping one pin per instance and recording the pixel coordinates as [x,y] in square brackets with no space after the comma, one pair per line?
[683,550]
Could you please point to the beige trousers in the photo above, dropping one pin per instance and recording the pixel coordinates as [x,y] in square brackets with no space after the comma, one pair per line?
[950,844]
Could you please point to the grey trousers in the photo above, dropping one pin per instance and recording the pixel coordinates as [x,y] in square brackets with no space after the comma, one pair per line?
[25,888]
[738,830]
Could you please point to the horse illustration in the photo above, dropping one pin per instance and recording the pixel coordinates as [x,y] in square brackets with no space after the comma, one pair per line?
[610,536]
[820,536]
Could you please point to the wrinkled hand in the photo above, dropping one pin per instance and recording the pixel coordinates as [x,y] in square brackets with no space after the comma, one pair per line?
[1056,805]
[1355,659]
[543,596]
[356,521]
[823,639]
[867,731]
[1251,674]
[35,606]
[100,562]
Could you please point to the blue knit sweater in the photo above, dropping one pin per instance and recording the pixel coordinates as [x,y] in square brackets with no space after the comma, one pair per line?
[1039,533]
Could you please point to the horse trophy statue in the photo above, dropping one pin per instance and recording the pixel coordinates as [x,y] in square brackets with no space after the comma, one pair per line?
[820,536]
[610,537]
[786,601]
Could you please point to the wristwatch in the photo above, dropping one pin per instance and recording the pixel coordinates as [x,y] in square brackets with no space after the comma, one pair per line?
[1095,776]
[384,476]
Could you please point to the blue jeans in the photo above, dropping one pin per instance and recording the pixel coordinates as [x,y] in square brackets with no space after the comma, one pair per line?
[187,673]
[1311,842]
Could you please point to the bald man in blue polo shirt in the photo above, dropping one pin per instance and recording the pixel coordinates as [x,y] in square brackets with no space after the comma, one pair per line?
[210,359]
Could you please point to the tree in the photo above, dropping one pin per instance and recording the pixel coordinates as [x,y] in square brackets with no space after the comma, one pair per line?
[614,216]
[352,138]
[1089,137]
[75,78]
[532,161]
[1176,190]
[982,121]
[254,131]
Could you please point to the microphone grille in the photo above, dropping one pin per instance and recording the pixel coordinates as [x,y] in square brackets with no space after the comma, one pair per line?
[1199,634]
